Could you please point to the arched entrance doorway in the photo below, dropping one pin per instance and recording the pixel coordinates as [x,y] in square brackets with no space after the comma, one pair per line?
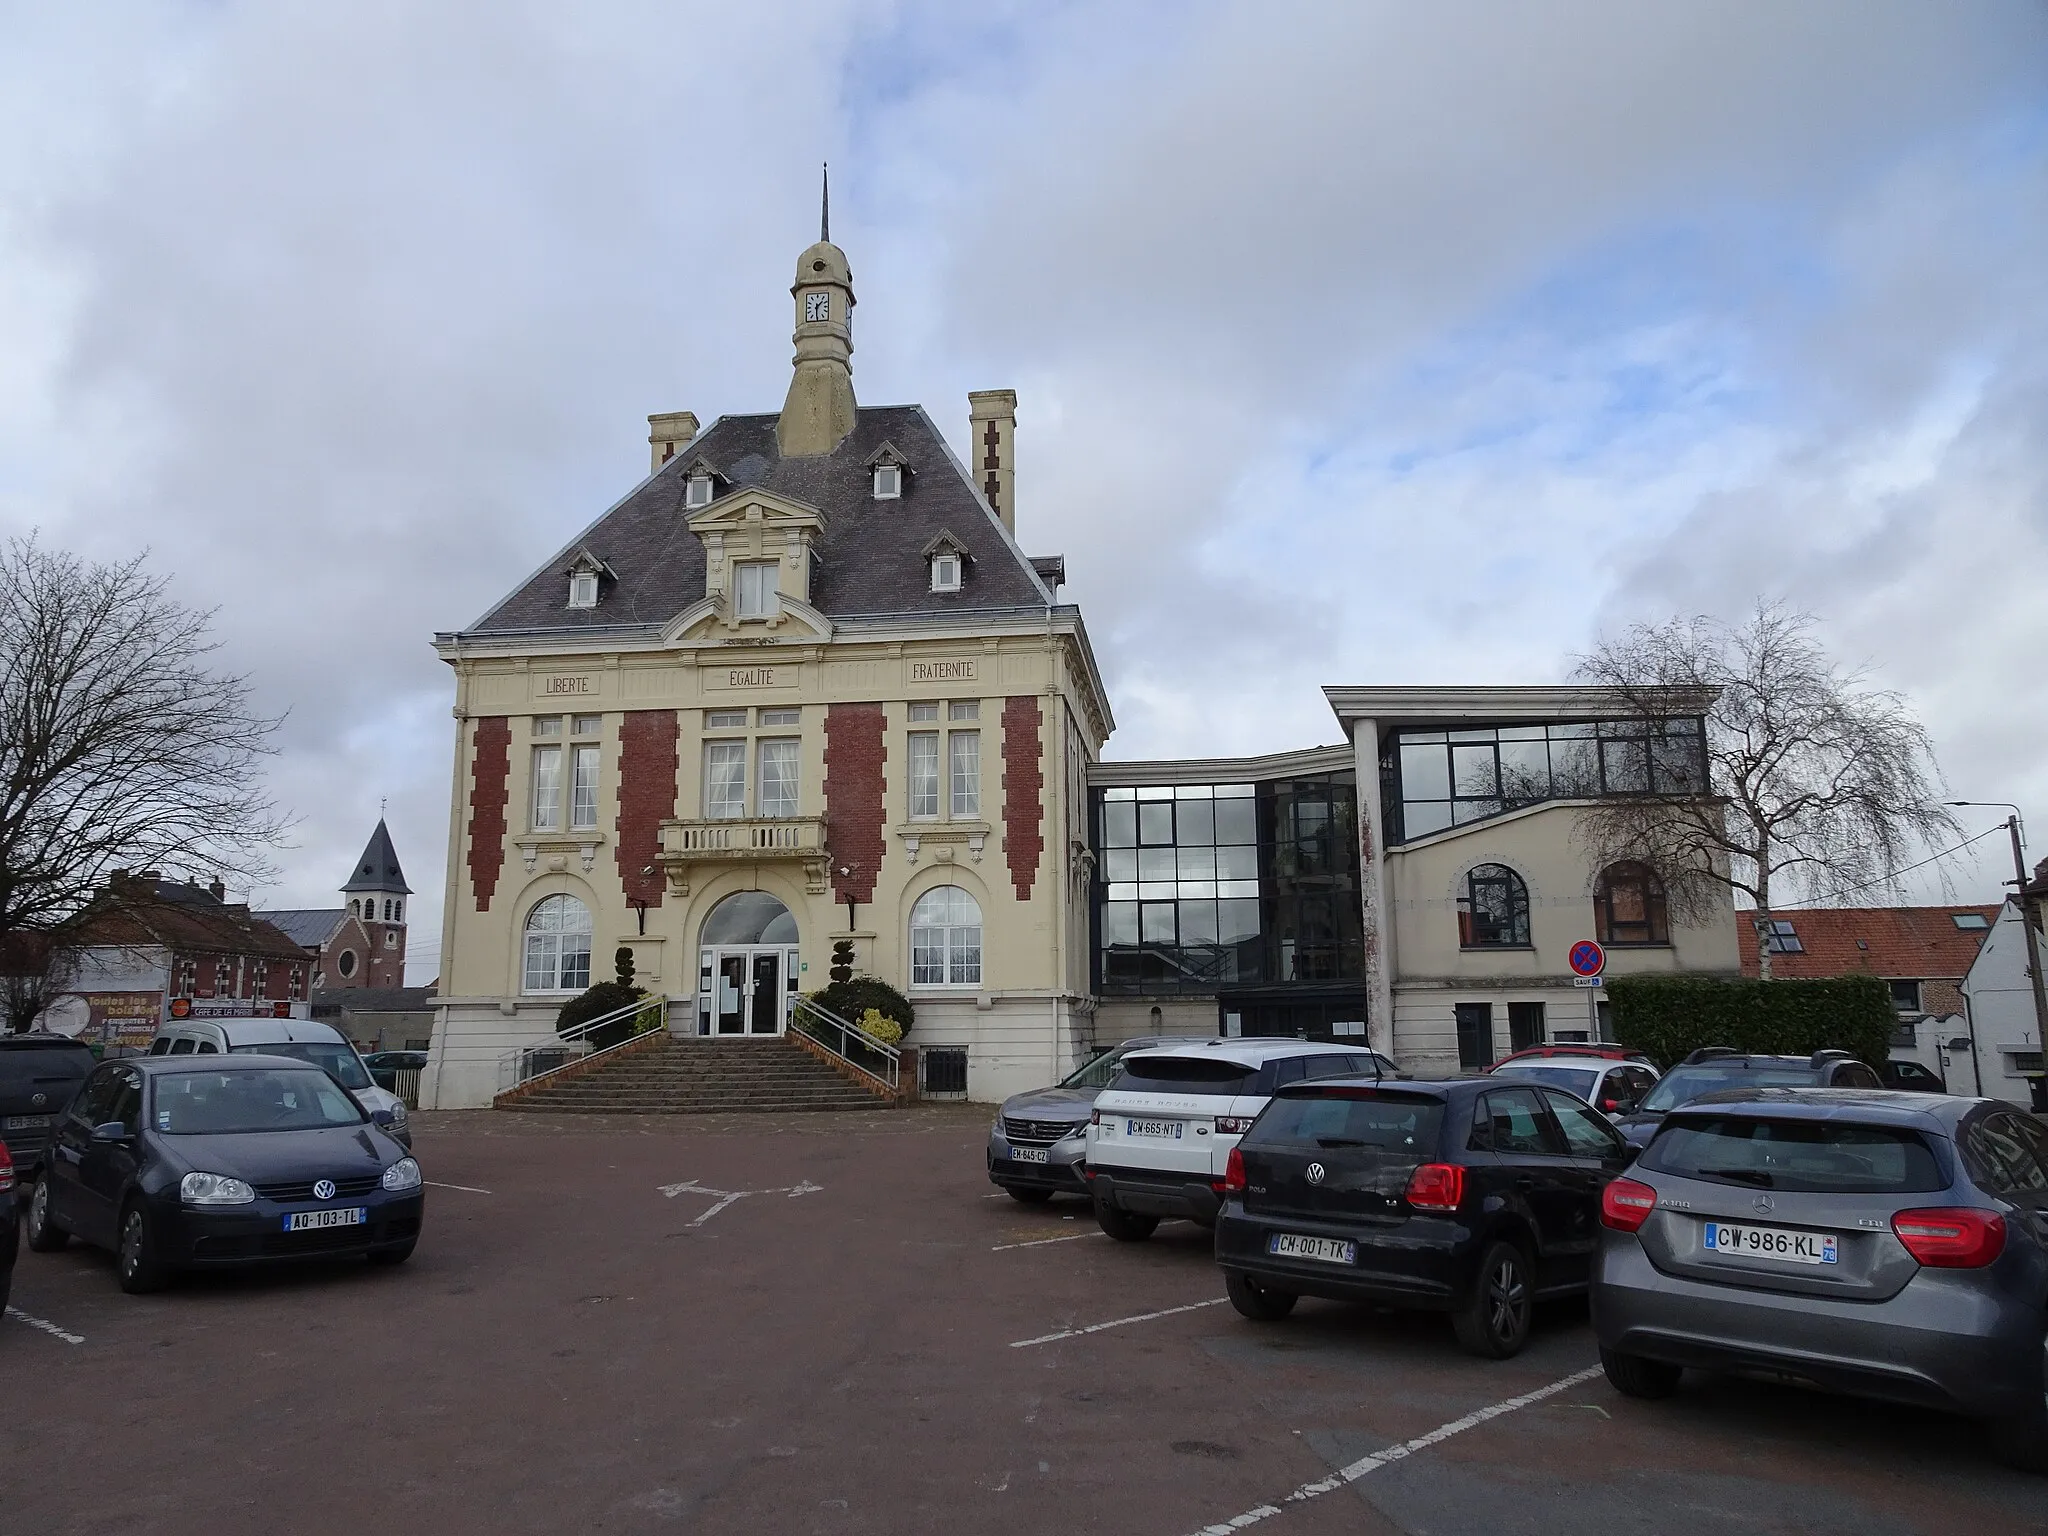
[747,967]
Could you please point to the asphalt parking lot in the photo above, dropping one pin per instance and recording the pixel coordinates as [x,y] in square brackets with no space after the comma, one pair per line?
[826,1324]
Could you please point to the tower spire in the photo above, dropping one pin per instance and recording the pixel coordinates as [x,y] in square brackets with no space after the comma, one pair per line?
[825,205]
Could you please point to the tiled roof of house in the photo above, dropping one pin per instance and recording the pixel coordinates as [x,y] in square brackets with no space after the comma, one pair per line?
[1902,943]
[145,911]
[373,1000]
[310,926]
[870,557]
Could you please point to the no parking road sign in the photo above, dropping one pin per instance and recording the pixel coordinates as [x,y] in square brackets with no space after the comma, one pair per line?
[1588,960]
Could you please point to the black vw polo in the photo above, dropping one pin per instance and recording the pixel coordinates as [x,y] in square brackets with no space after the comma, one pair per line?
[178,1162]
[1477,1197]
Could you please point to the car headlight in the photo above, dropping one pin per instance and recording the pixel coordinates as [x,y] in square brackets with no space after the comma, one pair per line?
[214,1189]
[403,1174]
[398,1113]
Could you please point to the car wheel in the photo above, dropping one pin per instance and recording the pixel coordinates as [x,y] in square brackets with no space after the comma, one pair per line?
[1255,1301]
[136,1264]
[1494,1323]
[1634,1376]
[1125,1226]
[390,1257]
[2022,1440]
[1025,1195]
[44,1235]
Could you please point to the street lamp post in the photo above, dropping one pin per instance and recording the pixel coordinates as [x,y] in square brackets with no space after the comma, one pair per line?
[2014,826]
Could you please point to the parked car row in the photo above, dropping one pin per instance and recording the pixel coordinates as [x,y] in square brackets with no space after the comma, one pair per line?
[234,1141]
[1742,1212]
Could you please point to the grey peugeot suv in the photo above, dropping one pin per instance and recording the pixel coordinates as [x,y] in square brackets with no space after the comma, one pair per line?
[1887,1245]
[1036,1146]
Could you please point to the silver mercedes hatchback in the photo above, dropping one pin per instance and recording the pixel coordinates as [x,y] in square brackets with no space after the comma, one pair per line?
[1887,1245]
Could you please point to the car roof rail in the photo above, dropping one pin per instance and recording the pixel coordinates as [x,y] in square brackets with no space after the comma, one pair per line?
[1709,1053]
[1827,1054]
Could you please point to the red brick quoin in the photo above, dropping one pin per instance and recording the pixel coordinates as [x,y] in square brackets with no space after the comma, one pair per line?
[490,768]
[854,754]
[1023,790]
[647,798]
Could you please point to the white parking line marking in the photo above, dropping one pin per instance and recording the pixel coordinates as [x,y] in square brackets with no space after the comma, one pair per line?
[1040,1242]
[467,1189]
[1142,1317]
[46,1325]
[1394,1453]
[728,1196]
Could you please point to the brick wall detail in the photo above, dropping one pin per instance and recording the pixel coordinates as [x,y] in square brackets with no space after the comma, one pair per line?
[647,797]
[490,771]
[1023,790]
[854,754]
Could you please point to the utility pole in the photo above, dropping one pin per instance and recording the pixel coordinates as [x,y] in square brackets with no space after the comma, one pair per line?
[2020,883]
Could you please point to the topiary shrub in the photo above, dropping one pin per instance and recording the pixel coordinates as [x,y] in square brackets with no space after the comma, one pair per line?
[1669,1017]
[851,999]
[842,962]
[876,1027]
[606,997]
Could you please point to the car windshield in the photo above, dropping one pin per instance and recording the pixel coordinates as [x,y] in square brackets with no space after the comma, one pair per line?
[1393,1122]
[1801,1155]
[330,1056]
[234,1103]
[1096,1073]
[1579,1080]
[1688,1083]
[1184,1074]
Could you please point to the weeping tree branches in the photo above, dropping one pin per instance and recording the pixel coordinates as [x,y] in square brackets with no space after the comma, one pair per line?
[1818,783]
[119,744]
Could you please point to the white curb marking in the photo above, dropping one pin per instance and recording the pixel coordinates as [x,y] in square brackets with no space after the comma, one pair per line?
[1040,1242]
[1394,1453]
[46,1325]
[725,1197]
[1142,1317]
[467,1189]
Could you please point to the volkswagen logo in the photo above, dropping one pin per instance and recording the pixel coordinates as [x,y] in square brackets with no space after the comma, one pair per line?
[38,1100]
[1315,1173]
[324,1190]
[1763,1204]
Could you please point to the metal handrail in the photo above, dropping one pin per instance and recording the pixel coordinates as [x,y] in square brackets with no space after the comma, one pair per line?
[515,1067]
[864,1053]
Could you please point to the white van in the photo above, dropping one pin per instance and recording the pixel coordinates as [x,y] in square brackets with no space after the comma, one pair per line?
[1162,1131]
[320,1045]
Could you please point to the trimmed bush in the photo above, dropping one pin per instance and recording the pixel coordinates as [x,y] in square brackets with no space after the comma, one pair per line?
[851,999]
[1669,1017]
[842,962]
[605,997]
[876,1027]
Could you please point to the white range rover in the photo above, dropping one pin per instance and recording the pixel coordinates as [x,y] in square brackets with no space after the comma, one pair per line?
[1162,1130]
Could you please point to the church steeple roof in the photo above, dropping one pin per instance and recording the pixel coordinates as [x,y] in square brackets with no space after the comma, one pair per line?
[377,870]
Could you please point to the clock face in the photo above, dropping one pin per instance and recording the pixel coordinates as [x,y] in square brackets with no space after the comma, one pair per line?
[817,306]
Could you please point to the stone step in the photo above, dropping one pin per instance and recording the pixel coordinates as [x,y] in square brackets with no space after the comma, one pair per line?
[697,1076]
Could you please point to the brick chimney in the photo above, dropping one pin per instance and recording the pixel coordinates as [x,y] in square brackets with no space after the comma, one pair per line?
[992,448]
[668,433]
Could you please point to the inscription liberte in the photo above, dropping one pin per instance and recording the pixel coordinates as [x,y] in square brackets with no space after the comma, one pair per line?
[567,685]
[942,671]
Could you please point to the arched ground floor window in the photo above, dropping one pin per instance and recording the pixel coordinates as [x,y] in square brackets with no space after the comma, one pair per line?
[558,945]
[945,939]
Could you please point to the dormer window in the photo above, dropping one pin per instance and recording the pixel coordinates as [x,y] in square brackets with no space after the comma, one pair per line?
[583,589]
[753,587]
[888,481]
[945,573]
[697,491]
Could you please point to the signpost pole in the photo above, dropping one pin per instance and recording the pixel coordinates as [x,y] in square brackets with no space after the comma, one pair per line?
[1592,1013]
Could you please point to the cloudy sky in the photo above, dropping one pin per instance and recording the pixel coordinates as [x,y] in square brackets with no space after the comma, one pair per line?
[1368,343]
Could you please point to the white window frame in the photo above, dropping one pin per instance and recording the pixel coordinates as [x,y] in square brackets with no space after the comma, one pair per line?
[888,482]
[946,573]
[963,774]
[921,779]
[548,950]
[583,589]
[545,810]
[767,599]
[697,492]
[946,953]
[790,801]
[585,768]
[730,751]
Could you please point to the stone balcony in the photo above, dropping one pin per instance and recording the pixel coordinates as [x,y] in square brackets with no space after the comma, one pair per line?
[687,846]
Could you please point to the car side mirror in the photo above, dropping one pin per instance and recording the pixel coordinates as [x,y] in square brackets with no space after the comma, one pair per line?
[1611,1106]
[112,1130]
[380,1117]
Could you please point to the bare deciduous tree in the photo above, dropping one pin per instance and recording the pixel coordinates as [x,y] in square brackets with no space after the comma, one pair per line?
[119,744]
[1819,784]
[35,968]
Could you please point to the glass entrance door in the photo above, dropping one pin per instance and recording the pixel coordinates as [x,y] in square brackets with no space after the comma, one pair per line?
[764,1014]
[748,990]
[730,1017]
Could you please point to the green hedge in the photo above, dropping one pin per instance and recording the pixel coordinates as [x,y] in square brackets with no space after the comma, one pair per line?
[850,999]
[1668,1017]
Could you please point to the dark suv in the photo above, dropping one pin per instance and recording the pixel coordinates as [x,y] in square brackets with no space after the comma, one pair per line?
[1717,1069]
[38,1075]
[1476,1197]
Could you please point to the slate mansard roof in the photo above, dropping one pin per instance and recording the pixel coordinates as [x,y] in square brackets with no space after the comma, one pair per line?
[870,557]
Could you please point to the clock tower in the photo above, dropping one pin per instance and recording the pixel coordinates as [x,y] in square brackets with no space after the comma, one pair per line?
[819,410]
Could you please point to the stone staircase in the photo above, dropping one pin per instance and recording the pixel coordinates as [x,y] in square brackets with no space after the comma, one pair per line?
[699,1076]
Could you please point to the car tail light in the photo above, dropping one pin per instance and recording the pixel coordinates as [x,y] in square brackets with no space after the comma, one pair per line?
[1233,1173]
[1951,1237]
[1625,1205]
[1234,1125]
[1095,1117]
[7,1169]
[1437,1187]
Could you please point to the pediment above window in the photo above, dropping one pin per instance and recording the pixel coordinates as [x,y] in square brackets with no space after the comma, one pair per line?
[711,621]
